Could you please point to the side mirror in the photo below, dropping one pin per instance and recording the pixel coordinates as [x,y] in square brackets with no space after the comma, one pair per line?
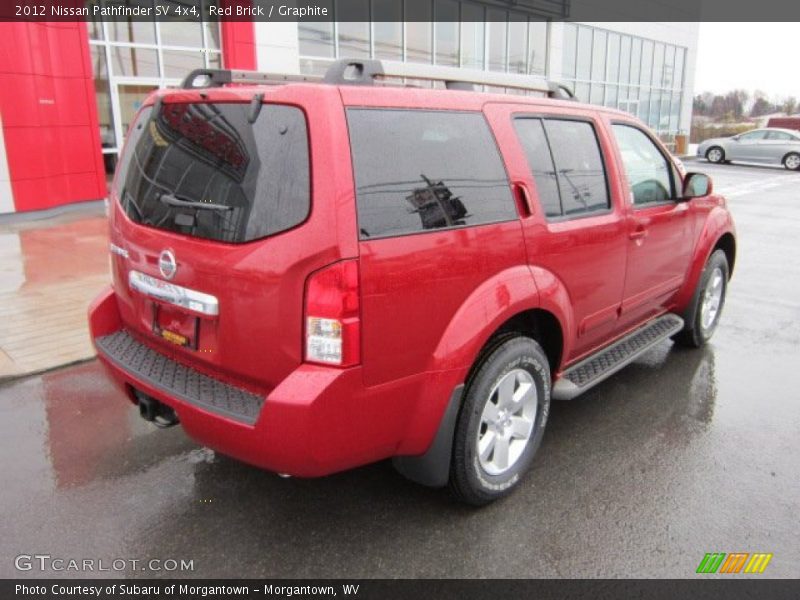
[696,185]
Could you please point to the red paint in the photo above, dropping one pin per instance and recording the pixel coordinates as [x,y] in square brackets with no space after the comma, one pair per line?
[257,303]
[585,256]
[428,302]
[238,42]
[50,123]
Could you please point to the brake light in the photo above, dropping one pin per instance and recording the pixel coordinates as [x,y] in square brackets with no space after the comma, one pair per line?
[333,323]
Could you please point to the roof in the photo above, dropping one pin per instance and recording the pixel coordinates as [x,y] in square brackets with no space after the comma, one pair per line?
[395,96]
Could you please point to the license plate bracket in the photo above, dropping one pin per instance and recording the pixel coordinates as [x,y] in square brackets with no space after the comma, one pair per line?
[175,326]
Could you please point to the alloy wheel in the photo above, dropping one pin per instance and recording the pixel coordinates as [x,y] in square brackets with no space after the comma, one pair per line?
[714,155]
[712,298]
[507,422]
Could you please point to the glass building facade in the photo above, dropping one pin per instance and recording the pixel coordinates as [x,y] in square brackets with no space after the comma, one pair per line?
[132,58]
[637,75]
[476,36]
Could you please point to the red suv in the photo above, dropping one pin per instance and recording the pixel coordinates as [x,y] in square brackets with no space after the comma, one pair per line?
[311,276]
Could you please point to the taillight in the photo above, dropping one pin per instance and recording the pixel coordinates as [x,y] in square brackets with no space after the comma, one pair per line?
[333,324]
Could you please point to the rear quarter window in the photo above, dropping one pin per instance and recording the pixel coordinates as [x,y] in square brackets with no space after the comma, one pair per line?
[418,171]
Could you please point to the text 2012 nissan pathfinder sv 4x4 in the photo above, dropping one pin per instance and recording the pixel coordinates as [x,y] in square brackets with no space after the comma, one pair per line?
[315,275]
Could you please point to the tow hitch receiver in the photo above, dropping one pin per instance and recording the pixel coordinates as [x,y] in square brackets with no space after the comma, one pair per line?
[154,411]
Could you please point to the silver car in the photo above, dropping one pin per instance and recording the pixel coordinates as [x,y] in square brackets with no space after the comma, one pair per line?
[770,145]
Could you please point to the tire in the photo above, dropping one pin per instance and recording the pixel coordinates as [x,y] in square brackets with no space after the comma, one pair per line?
[792,161]
[711,291]
[515,421]
[715,155]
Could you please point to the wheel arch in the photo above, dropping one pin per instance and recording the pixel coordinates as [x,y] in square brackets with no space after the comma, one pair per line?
[718,234]
[507,304]
[726,243]
[433,467]
[528,298]
[536,323]
[788,154]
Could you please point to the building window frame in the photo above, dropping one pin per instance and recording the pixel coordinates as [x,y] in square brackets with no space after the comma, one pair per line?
[159,80]
[654,119]
[312,63]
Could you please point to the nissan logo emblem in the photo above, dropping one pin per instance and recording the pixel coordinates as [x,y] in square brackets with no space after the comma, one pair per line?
[167,264]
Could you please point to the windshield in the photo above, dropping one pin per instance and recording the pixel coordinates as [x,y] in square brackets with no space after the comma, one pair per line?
[232,172]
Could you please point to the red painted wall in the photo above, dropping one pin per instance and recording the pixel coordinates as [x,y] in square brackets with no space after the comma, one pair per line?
[47,99]
[49,114]
[238,44]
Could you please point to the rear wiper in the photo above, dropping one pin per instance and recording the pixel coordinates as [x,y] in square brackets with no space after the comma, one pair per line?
[174,200]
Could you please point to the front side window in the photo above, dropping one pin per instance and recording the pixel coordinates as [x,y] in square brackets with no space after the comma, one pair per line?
[229,172]
[648,171]
[418,170]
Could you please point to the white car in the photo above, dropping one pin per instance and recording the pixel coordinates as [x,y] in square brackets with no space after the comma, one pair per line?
[770,145]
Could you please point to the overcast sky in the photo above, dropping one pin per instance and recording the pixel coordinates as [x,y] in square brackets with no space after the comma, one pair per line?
[751,56]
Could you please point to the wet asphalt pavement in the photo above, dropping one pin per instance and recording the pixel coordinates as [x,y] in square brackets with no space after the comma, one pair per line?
[682,453]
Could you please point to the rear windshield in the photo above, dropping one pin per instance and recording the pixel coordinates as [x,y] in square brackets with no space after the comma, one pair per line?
[232,172]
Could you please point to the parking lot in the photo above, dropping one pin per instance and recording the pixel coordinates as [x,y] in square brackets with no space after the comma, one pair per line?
[682,453]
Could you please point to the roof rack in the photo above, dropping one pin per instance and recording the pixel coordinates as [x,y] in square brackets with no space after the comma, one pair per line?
[370,72]
[207,78]
[366,72]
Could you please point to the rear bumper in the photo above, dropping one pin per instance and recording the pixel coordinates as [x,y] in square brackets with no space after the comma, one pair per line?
[317,421]
[176,380]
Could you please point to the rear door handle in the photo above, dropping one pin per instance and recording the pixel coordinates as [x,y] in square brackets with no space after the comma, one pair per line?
[639,233]
[523,199]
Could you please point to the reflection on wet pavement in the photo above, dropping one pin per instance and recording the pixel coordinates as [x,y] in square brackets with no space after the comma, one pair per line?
[49,272]
[661,462]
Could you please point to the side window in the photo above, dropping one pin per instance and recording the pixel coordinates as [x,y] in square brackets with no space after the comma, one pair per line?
[779,135]
[579,166]
[421,170]
[648,171]
[534,141]
[752,136]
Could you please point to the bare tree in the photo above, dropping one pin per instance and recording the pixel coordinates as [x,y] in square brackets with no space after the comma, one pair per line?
[762,107]
[790,105]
